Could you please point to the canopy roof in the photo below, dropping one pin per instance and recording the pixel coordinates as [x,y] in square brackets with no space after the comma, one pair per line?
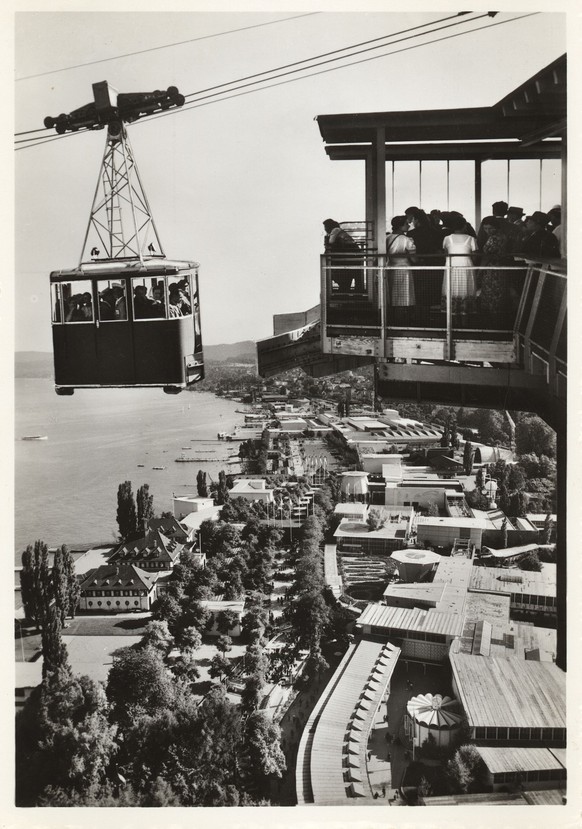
[515,126]
[434,710]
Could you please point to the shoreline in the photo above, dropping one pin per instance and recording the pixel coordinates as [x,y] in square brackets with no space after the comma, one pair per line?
[93,448]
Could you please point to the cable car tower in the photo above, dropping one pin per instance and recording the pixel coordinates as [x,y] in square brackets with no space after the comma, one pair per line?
[121,223]
[123,276]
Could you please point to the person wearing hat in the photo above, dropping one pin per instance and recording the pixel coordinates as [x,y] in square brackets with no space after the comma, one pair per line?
[539,242]
[555,224]
[342,248]
[515,227]
[499,212]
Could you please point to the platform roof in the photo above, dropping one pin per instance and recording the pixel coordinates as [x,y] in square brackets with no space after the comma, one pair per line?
[332,766]
[511,693]
[513,127]
[509,758]
[512,580]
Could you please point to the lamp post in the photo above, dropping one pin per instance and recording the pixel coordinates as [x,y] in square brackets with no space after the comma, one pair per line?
[290,519]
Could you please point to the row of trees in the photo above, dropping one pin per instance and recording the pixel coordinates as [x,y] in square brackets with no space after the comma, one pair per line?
[49,595]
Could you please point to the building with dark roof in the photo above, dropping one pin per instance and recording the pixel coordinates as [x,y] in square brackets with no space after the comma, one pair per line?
[117,588]
[156,551]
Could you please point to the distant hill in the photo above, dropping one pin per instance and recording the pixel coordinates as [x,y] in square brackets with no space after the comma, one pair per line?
[231,351]
[40,363]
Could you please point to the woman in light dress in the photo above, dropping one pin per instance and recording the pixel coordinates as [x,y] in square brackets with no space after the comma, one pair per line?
[459,247]
[400,250]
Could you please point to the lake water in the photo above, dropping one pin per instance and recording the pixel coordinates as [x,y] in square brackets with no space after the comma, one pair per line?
[66,486]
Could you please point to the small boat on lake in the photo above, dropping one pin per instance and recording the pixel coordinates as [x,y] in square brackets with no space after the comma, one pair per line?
[158,467]
[34,437]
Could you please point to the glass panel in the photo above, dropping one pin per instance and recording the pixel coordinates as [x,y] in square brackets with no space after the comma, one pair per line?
[56,303]
[149,297]
[179,297]
[77,301]
[112,301]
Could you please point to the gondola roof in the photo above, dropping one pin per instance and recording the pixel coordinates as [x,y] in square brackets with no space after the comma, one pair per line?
[154,266]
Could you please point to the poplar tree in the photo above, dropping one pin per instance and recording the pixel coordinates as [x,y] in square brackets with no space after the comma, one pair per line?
[126,511]
[60,585]
[222,494]
[73,586]
[201,484]
[37,589]
[54,651]
[145,507]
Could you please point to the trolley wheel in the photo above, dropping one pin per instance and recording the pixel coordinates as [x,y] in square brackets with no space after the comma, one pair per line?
[172,389]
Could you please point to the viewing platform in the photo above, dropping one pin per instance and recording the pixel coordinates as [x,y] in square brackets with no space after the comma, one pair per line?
[440,339]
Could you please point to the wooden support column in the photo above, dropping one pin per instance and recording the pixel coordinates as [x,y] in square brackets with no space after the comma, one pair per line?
[561,543]
[564,244]
[478,186]
[376,189]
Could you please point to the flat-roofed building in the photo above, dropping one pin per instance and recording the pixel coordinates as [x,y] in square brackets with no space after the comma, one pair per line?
[353,511]
[520,766]
[511,701]
[421,492]
[385,463]
[357,537]
[437,531]
[424,635]
[252,490]
[530,592]
[185,504]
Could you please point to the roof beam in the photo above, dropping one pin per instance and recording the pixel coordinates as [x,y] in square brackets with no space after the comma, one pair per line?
[447,151]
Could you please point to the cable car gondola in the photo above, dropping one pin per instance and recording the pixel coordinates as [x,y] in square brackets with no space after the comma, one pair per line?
[127,325]
[127,317]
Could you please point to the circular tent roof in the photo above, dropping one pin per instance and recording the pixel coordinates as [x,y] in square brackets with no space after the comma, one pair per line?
[416,556]
[434,710]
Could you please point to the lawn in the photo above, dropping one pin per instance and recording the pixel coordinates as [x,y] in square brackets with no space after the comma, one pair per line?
[27,640]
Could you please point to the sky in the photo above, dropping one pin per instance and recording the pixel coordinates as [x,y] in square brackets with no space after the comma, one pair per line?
[242,185]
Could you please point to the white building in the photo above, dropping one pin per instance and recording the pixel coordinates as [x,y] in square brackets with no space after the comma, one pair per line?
[185,504]
[252,490]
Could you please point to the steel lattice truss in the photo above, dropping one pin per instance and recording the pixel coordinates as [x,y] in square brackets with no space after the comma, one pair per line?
[121,224]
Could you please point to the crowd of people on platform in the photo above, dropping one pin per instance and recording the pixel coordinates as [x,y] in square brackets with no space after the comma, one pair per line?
[476,279]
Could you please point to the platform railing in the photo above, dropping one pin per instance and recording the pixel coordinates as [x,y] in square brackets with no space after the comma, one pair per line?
[365,296]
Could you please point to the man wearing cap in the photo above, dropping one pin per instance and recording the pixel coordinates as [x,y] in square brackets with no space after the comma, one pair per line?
[499,211]
[515,227]
[539,242]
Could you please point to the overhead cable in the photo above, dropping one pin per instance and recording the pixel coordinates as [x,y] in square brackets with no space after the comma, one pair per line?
[165,46]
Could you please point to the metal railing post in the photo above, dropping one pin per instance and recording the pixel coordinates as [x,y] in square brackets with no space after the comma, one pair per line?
[382,275]
[449,304]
